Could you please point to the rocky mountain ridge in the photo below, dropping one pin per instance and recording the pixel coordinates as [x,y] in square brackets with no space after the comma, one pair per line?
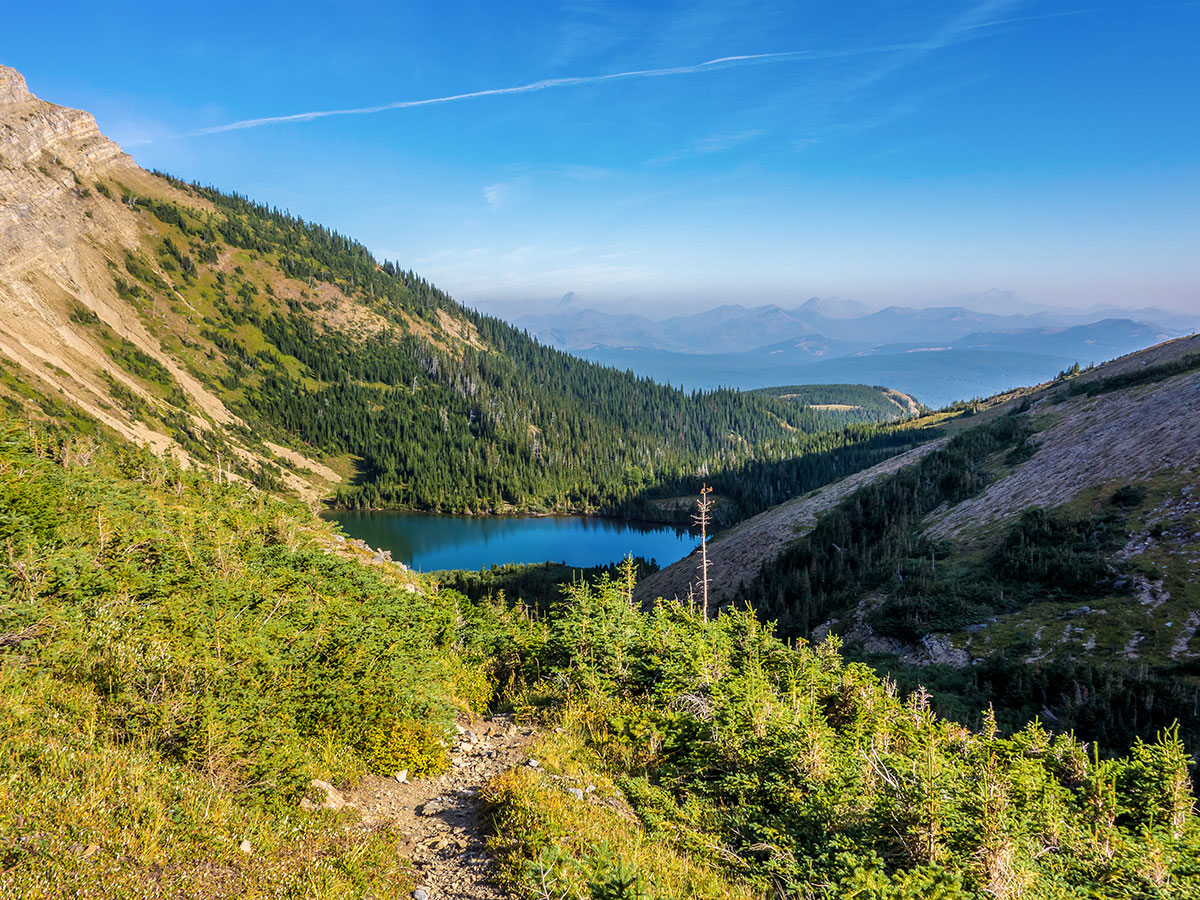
[64,230]
[77,327]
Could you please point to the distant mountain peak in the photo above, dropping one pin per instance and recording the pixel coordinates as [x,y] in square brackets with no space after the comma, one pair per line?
[997,302]
[833,308]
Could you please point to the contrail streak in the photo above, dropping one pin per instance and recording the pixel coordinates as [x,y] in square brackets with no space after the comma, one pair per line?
[723,62]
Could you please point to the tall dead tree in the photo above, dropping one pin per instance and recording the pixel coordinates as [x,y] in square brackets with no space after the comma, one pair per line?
[701,519]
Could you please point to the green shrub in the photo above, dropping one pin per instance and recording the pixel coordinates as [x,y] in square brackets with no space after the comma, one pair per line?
[798,773]
[398,744]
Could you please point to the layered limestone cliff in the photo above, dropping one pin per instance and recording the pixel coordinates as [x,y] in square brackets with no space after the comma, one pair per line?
[66,229]
[48,154]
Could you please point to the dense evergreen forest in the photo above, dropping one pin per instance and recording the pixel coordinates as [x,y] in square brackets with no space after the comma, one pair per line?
[447,409]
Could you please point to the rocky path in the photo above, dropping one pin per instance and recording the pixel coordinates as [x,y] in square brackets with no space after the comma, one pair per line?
[440,816]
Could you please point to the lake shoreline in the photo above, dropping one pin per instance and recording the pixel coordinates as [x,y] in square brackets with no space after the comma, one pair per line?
[329,508]
[331,513]
[436,541]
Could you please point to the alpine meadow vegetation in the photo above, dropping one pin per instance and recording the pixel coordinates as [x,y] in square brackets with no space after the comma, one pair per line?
[179,658]
[787,770]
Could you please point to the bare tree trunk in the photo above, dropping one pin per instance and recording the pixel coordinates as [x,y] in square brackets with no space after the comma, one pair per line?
[703,505]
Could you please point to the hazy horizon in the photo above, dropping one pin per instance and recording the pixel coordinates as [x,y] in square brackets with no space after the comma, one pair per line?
[689,155]
[683,306]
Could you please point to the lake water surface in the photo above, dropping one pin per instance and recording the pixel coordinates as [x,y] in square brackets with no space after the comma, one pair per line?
[429,542]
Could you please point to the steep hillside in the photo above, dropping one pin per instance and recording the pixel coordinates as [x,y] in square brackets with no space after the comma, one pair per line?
[234,336]
[71,327]
[736,555]
[1044,560]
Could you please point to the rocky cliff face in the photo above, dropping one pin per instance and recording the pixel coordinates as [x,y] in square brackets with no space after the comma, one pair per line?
[65,233]
[47,153]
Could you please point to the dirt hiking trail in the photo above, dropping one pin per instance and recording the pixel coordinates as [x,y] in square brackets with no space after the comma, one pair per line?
[439,818]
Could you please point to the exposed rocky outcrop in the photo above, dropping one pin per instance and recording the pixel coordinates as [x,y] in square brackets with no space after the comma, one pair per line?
[1086,441]
[47,154]
[65,229]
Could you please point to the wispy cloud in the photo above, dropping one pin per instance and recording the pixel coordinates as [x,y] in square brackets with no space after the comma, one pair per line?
[497,194]
[507,193]
[1054,15]
[956,30]
[724,62]
[715,143]
[847,102]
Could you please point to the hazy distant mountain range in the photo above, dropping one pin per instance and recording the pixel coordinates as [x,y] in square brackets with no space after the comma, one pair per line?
[939,354]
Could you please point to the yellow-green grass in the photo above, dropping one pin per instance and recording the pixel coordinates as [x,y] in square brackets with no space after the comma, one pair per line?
[552,843]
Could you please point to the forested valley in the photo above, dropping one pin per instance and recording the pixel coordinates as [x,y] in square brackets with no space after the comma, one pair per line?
[445,409]
[185,665]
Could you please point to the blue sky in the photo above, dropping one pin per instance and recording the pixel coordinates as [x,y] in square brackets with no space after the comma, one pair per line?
[762,151]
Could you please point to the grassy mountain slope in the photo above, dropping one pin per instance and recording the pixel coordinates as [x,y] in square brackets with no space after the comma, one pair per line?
[1044,560]
[178,659]
[803,776]
[736,554]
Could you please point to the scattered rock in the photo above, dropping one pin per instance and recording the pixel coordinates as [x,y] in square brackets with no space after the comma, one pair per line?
[245,846]
[333,798]
[575,792]
[932,649]
[402,776]
[532,763]
[1131,646]
[420,894]
[435,805]
[1179,647]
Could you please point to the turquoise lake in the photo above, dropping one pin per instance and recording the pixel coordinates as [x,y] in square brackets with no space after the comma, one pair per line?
[429,542]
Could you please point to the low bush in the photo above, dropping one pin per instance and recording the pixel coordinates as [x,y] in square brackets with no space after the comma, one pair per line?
[794,772]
